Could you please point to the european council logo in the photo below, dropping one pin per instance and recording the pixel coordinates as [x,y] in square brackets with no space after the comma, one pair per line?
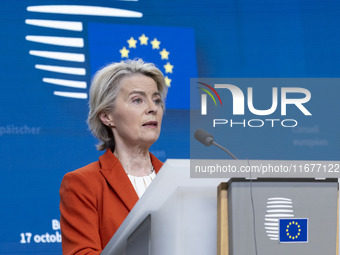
[68,51]
[293,230]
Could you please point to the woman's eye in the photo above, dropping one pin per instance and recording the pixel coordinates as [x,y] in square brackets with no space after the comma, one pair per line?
[158,101]
[137,100]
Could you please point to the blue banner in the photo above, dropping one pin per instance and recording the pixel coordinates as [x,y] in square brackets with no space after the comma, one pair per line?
[50,49]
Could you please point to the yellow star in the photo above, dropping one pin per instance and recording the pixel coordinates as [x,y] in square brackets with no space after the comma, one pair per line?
[155,44]
[124,52]
[164,54]
[168,67]
[167,81]
[132,42]
[143,39]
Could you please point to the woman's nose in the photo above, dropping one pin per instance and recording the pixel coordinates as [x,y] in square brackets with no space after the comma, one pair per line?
[152,107]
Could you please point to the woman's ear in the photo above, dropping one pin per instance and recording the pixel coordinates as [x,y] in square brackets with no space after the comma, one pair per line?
[106,119]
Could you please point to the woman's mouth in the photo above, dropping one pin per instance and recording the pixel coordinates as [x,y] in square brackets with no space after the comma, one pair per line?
[151,124]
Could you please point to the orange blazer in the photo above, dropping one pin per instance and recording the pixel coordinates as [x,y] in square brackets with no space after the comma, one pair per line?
[94,201]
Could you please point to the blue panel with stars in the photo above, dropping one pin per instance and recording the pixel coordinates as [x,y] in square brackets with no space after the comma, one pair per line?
[293,230]
[171,49]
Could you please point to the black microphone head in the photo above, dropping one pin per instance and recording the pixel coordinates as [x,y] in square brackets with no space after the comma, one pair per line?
[203,137]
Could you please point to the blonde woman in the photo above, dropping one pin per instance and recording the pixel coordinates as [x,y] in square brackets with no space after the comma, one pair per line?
[126,110]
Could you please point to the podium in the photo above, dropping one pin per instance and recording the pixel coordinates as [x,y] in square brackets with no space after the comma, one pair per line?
[278,216]
[205,216]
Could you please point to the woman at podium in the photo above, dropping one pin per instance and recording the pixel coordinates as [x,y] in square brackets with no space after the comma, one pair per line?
[126,110]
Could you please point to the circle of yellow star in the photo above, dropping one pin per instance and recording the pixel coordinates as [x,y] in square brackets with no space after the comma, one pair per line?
[124,52]
[143,39]
[155,44]
[168,67]
[132,42]
[164,54]
[167,81]
[298,228]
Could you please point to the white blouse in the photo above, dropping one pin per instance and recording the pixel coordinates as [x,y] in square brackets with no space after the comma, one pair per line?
[141,183]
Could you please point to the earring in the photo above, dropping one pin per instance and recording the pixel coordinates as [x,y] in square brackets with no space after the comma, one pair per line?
[110,124]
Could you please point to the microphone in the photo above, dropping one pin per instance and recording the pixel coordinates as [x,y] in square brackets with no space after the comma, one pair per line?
[207,139]
[203,137]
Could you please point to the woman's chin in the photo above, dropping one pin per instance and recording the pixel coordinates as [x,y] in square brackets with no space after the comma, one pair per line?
[150,139]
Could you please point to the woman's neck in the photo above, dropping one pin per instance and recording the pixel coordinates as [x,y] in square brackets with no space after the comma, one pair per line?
[136,161]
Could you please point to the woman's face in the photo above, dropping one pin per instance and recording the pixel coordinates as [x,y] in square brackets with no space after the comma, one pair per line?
[137,115]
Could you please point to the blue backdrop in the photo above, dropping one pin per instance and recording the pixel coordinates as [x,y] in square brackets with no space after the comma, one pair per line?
[46,68]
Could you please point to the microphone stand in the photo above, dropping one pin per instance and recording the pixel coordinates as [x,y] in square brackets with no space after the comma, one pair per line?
[224,149]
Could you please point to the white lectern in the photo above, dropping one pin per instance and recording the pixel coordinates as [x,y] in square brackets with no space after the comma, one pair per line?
[183,214]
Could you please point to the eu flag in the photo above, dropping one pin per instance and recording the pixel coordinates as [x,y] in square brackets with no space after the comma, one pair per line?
[171,49]
[293,230]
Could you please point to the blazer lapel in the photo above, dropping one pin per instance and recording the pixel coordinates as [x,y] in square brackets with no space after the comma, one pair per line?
[115,175]
[157,164]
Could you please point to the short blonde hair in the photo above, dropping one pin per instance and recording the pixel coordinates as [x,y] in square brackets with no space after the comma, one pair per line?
[104,91]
